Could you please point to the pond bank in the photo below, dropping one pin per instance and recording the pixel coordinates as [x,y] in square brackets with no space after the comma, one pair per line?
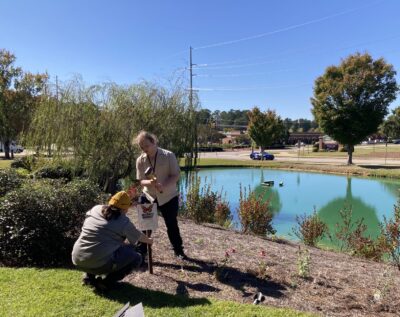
[338,284]
[385,171]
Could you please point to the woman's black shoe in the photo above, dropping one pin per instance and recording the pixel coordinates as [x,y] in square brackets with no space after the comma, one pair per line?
[181,255]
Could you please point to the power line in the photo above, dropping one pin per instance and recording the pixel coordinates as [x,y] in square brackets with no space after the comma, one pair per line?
[292,27]
[254,58]
[248,74]
[249,88]
[206,66]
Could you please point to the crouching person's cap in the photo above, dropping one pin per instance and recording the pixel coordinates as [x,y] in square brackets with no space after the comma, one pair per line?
[120,200]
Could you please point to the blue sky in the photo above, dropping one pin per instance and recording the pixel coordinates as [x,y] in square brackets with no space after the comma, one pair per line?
[268,53]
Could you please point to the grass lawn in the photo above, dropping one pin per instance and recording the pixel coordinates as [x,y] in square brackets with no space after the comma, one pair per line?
[57,292]
[5,163]
[359,151]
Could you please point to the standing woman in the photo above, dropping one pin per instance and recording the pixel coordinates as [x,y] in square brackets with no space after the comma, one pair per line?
[101,248]
[158,172]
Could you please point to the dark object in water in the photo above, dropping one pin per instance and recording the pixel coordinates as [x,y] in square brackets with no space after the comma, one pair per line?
[268,183]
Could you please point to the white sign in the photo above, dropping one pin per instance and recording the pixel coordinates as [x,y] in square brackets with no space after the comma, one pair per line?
[135,311]
[147,216]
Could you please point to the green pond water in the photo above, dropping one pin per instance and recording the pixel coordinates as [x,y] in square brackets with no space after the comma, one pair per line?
[301,192]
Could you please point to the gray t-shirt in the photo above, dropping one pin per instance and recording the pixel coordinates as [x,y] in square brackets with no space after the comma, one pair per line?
[100,238]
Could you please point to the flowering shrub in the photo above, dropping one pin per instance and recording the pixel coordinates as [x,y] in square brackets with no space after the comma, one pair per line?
[310,229]
[255,214]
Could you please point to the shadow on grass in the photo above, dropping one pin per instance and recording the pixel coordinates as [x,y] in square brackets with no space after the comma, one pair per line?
[155,299]
[231,276]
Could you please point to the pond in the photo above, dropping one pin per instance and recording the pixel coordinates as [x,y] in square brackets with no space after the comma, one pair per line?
[302,192]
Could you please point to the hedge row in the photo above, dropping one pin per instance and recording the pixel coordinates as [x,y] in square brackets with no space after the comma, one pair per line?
[41,219]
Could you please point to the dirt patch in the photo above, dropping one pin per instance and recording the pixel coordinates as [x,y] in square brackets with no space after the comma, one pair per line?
[338,284]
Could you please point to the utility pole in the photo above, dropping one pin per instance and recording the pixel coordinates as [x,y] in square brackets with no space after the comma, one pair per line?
[196,150]
[57,88]
[191,79]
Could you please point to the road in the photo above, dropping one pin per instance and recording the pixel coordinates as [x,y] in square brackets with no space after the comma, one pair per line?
[290,155]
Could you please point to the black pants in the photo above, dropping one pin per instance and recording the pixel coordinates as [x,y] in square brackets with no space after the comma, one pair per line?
[169,211]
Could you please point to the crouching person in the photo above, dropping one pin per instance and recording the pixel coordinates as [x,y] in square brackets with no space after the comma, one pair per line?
[101,248]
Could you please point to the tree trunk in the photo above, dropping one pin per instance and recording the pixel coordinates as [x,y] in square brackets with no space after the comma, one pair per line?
[350,150]
[7,149]
[262,152]
[111,185]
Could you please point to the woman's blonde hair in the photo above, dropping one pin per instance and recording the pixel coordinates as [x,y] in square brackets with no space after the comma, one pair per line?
[145,135]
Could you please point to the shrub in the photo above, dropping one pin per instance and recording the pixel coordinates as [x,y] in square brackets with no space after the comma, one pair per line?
[40,221]
[26,162]
[315,147]
[200,202]
[54,172]
[22,172]
[390,232]
[366,247]
[354,240]
[303,263]
[9,180]
[255,214]
[204,205]
[222,214]
[310,229]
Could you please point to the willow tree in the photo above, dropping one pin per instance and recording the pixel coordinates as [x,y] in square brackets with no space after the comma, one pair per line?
[94,126]
[265,128]
[351,100]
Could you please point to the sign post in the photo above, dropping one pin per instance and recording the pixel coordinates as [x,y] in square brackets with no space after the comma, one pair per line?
[148,222]
[149,253]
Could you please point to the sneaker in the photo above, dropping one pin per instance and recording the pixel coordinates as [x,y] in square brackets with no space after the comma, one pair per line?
[181,255]
[88,279]
[101,286]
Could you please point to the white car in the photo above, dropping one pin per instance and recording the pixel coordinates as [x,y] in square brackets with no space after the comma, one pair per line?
[16,148]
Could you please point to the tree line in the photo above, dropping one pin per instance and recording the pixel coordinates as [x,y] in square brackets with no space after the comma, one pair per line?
[239,120]
[95,124]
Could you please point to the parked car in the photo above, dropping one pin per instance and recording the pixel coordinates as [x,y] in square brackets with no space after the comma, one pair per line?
[257,156]
[331,146]
[16,147]
[13,146]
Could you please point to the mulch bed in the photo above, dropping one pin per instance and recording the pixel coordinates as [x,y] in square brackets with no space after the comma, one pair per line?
[338,284]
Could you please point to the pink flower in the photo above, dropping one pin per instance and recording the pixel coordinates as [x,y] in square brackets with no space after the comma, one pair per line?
[233,250]
[263,253]
[226,254]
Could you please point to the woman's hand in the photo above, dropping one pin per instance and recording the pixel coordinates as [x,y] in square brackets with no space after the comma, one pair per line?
[159,187]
